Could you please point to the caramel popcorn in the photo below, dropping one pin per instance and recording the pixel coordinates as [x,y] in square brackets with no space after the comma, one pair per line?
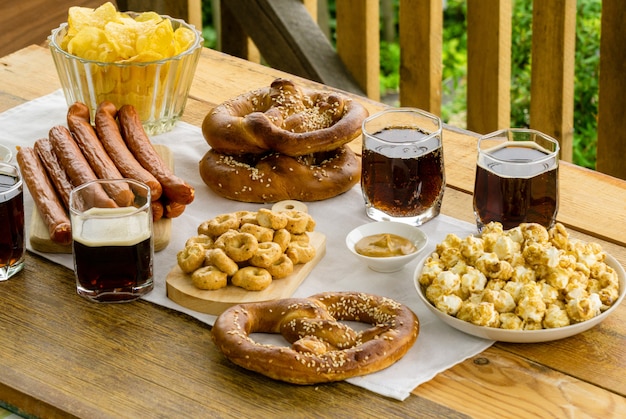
[526,278]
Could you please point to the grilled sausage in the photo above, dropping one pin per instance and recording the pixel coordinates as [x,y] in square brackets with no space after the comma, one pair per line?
[87,140]
[76,166]
[109,134]
[133,133]
[44,195]
[56,173]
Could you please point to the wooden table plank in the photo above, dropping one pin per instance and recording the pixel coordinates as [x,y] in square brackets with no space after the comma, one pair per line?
[522,389]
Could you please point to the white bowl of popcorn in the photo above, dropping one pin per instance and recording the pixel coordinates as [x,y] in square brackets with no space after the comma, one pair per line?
[523,285]
[391,245]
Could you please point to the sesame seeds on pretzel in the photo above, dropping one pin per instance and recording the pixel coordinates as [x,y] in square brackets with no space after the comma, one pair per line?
[283,118]
[323,348]
[278,177]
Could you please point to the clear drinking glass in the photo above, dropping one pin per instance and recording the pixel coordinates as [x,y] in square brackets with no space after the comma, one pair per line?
[11,221]
[113,246]
[516,178]
[403,177]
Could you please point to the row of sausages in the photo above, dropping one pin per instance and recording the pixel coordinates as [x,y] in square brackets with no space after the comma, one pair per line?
[116,147]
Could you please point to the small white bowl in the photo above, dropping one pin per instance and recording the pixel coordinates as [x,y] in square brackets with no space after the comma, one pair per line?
[5,154]
[393,263]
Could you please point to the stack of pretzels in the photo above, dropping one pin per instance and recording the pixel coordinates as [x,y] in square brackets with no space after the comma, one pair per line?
[282,142]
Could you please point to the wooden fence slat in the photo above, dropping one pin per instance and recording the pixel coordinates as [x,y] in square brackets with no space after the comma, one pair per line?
[552,73]
[611,149]
[420,35]
[488,65]
[358,42]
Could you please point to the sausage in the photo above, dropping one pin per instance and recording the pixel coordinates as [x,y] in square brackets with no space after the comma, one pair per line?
[44,196]
[56,173]
[85,136]
[172,209]
[133,133]
[157,210]
[76,166]
[111,138]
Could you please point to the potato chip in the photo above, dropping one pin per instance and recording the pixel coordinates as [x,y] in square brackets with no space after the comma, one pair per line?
[92,44]
[183,39]
[104,34]
[82,17]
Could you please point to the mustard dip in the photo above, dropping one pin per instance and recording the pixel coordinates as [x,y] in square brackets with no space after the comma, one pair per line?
[384,245]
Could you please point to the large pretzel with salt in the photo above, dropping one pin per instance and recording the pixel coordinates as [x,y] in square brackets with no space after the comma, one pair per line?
[276,177]
[284,118]
[323,349]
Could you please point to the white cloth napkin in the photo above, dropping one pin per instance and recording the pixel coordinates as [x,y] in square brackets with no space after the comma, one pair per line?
[438,346]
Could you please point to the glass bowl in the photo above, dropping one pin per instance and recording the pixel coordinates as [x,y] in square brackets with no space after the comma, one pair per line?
[157,89]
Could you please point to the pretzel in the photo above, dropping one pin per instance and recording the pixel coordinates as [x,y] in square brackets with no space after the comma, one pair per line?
[277,177]
[323,349]
[283,118]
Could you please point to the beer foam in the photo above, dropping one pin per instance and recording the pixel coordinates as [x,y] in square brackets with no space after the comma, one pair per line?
[517,159]
[111,227]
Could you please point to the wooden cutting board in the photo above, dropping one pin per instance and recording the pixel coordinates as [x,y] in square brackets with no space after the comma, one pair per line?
[182,291]
[40,237]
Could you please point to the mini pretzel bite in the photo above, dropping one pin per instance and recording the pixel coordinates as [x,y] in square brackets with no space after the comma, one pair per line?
[297,221]
[209,278]
[262,234]
[219,259]
[310,225]
[270,219]
[220,242]
[201,239]
[283,238]
[300,252]
[219,225]
[302,238]
[282,268]
[190,258]
[246,217]
[252,278]
[241,246]
[266,254]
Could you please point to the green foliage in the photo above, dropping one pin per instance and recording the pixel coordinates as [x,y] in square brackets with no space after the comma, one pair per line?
[587,66]
[389,65]
[454,56]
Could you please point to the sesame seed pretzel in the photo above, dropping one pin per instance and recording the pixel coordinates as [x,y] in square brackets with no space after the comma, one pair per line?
[283,118]
[323,349]
[278,177]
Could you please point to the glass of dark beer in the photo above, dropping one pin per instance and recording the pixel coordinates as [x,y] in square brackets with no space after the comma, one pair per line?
[402,173]
[11,221]
[112,245]
[516,178]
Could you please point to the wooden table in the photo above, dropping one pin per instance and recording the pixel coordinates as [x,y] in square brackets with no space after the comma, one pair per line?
[52,341]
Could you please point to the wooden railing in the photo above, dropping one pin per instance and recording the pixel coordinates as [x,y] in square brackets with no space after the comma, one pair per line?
[489,60]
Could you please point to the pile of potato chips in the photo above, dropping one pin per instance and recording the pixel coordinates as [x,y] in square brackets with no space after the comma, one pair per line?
[106,35]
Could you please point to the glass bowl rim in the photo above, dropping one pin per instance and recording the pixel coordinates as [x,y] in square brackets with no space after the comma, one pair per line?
[52,39]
